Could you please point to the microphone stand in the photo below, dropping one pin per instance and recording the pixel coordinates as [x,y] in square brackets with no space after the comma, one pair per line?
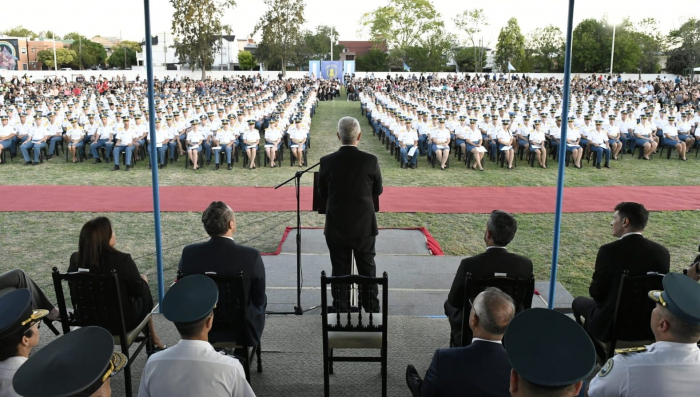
[297,184]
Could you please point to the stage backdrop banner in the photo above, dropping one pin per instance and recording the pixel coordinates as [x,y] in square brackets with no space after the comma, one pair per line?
[9,54]
[332,70]
[315,69]
[348,67]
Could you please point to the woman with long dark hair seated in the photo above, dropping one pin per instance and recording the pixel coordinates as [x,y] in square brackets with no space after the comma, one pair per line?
[96,253]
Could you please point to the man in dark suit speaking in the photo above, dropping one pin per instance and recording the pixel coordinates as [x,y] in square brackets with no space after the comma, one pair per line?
[349,180]
[632,252]
[221,255]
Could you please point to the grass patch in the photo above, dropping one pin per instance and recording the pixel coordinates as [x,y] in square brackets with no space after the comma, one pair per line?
[629,171]
[38,242]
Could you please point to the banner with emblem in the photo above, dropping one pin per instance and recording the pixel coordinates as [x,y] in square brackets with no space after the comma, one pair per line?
[315,69]
[348,67]
[332,70]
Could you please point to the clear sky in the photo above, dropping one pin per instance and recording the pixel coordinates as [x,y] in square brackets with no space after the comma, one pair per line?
[91,18]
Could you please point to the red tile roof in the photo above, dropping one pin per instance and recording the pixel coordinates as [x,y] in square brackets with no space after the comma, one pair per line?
[361,47]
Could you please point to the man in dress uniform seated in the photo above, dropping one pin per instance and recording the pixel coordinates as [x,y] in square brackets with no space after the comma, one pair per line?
[480,369]
[19,334]
[669,367]
[78,364]
[550,354]
[193,367]
[632,252]
[221,255]
[495,261]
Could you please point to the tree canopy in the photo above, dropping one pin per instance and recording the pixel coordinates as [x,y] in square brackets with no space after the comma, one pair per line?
[510,47]
[281,28]
[116,60]
[88,53]
[685,41]
[20,31]
[402,23]
[246,60]
[547,46]
[472,23]
[374,60]
[197,26]
[64,57]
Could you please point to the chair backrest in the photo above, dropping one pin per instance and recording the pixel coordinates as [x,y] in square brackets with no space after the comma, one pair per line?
[95,300]
[349,321]
[520,289]
[229,323]
[633,307]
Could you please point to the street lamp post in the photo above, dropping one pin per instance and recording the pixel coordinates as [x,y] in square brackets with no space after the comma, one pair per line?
[55,62]
[612,53]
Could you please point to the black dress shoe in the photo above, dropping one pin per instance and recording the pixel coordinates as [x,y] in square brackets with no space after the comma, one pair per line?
[116,168]
[208,162]
[598,166]
[413,380]
[217,167]
[128,167]
[97,161]
[230,167]
[607,165]
[27,162]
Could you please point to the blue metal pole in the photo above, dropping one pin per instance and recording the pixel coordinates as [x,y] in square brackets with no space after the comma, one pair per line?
[153,151]
[562,156]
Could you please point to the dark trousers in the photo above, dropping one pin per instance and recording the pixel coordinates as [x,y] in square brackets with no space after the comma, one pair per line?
[581,306]
[341,251]
[16,279]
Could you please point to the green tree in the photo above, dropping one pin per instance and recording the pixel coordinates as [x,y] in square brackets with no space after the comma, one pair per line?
[49,35]
[588,53]
[246,61]
[281,28]
[89,53]
[374,60]
[318,43]
[511,46]
[464,58]
[116,60]
[433,52]
[197,25]
[402,23]
[686,47]
[651,43]
[547,45]
[472,22]
[20,31]
[64,56]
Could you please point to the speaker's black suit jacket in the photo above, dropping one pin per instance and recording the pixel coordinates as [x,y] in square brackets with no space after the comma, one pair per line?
[634,253]
[349,180]
[223,256]
[487,264]
[480,369]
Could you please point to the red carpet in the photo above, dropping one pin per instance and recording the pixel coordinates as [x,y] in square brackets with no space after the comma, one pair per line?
[444,200]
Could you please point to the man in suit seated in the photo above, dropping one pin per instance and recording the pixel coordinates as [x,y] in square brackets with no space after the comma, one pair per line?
[632,252]
[221,255]
[495,261]
[480,369]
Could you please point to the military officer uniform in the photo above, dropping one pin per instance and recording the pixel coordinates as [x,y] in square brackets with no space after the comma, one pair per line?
[224,140]
[192,367]
[125,143]
[662,368]
[79,363]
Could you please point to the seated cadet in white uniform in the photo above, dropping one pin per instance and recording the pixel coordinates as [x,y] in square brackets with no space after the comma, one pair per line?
[193,367]
[598,144]
[162,144]
[407,142]
[273,140]
[37,141]
[684,129]
[613,134]
[671,138]
[297,137]
[536,141]
[125,143]
[441,143]
[669,367]
[505,140]
[194,143]
[75,134]
[224,139]
[251,140]
[475,145]
[103,138]
[573,136]
[7,133]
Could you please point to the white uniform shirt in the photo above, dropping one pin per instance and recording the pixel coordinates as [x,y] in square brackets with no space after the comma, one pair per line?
[599,138]
[671,130]
[409,136]
[254,135]
[6,131]
[7,372]
[161,135]
[195,136]
[39,133]
[473,135]
[664,369]
[193,368]
[224,137]
[442,135]
[75,133]
[273,134]
[126,136]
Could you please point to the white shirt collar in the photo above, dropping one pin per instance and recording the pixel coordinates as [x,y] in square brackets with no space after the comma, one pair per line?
[495,246]
[487,340]
[629,234]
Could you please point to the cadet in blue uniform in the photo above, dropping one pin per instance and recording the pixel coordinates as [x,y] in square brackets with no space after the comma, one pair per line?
[669,367]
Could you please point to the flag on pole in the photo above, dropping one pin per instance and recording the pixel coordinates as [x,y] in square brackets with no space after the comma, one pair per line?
[510,67]
[406,67]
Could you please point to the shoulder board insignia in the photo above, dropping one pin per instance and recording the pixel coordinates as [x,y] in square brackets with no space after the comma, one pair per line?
[631,350]
[606,368]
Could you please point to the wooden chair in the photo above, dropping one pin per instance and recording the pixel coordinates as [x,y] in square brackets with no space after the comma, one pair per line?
[96,300]
[354,329]
[520,289]
[630,322]
[229,330]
